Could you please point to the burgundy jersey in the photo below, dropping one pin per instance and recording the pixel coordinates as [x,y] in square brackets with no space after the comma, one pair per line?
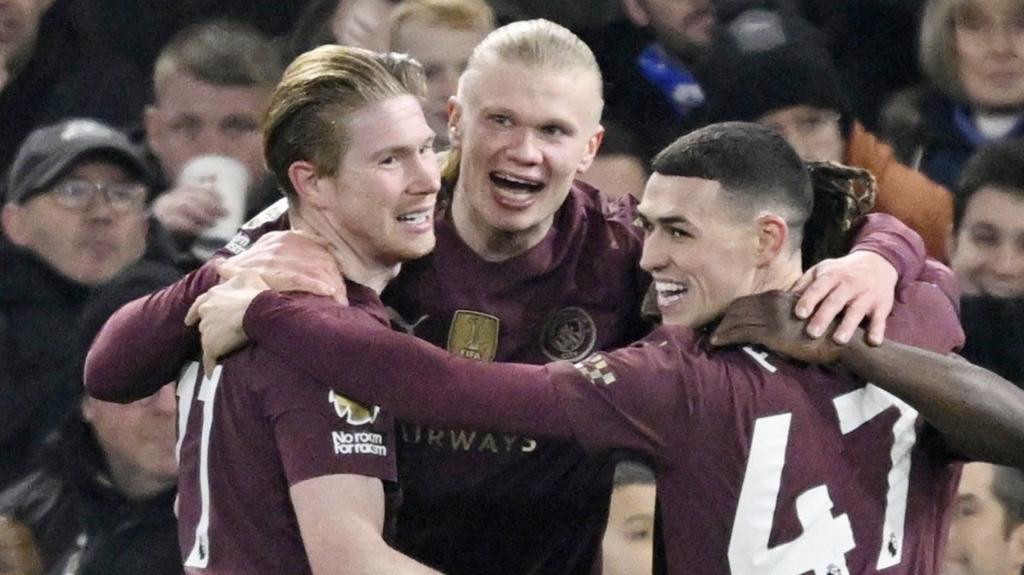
[767,466]
[475,500]
[764,465]
[253,429]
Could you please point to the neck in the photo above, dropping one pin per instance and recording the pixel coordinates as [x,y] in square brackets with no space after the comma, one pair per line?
[488,242]
[355,265]
[782,274]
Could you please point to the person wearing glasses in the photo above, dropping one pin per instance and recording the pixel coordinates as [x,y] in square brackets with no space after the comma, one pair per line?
[75,215]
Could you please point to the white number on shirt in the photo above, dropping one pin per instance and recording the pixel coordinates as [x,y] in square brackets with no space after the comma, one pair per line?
[825,539]
[199,556]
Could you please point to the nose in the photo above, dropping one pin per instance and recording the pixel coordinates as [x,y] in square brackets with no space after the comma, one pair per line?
[654,256]
[1008,260]
[426,175]
[524,147]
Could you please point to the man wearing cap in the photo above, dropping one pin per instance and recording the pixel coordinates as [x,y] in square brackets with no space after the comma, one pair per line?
[75,215]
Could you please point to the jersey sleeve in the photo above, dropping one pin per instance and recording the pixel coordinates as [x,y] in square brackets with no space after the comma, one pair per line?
[927,313]
[628,398]
[144,344]
[893,240]
[319,432]
[410,377]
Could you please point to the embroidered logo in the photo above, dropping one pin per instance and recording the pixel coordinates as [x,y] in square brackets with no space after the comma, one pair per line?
[568,335]
[474,335]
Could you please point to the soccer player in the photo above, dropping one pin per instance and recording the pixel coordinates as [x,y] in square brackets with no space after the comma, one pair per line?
[277,474]
[764,464]
[530,266]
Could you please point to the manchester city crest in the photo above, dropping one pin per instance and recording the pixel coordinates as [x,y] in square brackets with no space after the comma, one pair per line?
[474,335]
[568,335]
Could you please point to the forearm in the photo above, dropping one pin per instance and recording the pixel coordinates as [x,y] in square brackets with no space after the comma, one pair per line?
[899,245]
[980,414]
[413,379]
[143,345]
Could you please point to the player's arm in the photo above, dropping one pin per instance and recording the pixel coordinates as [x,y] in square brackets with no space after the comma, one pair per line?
[143,345]
[980,414]
[341,518]
[863,283]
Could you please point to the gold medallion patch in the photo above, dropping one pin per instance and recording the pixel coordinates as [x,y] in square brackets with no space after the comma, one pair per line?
[474,335]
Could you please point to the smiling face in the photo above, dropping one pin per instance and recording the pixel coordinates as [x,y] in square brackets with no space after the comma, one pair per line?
[381,202]
[979,542]
[700,253]
[990,52]
[524,134]
[988,254]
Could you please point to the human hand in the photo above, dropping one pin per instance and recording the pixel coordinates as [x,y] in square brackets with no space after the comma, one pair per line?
[188,210]
[18,552]
[291,261]
[860,284]
[219,314]
[767,319]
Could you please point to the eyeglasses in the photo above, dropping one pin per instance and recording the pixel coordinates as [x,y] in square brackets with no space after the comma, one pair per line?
[78,194]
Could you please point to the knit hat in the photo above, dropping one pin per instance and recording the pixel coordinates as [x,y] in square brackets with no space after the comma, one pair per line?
[768,60]
[48,153]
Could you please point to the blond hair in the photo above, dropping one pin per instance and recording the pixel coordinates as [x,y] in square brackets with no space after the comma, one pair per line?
[455,14]
[308,112]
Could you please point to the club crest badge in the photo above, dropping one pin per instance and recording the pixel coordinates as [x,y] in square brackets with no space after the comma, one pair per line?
[474,335]
[568,335]
[352,412]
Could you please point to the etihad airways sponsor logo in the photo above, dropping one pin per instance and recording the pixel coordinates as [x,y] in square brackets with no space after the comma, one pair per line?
[465,440]
[358,443]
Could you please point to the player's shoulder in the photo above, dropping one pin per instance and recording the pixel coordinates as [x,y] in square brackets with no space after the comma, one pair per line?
[273,218]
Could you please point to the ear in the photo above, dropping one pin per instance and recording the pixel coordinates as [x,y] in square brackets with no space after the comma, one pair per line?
[310,187]
[454,122]
[772,234]
[636,12]
[593,145]
[13,219]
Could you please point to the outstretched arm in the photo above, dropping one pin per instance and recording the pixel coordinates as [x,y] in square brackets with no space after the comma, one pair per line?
[980,414]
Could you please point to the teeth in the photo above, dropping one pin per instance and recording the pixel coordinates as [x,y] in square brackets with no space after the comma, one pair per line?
[414,217]
[516,179]
[669,292]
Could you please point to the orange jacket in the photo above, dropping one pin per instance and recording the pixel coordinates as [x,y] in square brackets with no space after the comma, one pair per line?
[909,195]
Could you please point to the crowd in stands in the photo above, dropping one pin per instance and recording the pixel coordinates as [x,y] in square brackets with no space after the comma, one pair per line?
[108,109]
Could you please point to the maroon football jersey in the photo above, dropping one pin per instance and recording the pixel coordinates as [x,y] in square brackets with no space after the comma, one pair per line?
[764,465]
[253,429]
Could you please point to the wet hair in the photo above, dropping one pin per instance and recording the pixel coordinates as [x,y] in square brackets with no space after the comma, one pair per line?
[997,165]
[222,53]
[308,112]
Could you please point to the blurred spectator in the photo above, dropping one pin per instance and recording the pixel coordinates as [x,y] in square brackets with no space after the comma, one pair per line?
[628,546]
[649,66]
[986,536]
[767,66]
[987,249]
[99,497]
[440,34]
[49,72]
[361,23]
[619,168]
[973,53]
[212,83]
[75,217]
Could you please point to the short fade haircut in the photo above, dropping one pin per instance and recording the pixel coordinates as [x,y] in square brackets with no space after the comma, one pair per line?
[997,165]
[222,53]
[454,14]
[1008,489]
[755,167]
[308,112]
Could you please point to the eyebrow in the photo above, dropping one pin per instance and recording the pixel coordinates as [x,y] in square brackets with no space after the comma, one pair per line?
[667,220]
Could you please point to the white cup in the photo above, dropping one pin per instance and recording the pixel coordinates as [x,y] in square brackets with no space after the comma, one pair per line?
[230,179]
